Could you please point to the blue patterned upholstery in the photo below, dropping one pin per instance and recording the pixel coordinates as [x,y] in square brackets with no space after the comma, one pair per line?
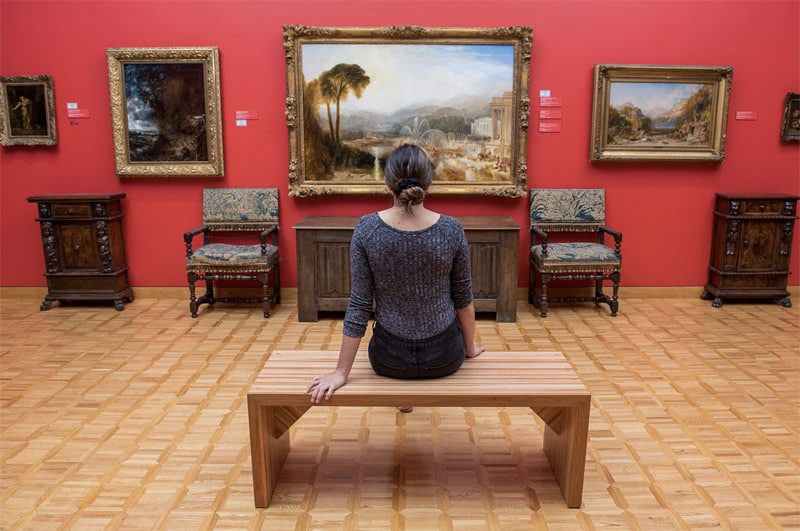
[555,211]
[228,213]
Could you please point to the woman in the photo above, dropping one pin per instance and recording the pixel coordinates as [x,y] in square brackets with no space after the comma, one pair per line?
[411,265]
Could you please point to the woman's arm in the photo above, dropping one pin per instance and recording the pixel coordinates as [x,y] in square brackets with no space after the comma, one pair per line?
[324,385]
[466,318]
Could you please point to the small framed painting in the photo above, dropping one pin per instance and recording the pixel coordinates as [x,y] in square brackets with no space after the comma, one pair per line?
[790,130]
[27,111]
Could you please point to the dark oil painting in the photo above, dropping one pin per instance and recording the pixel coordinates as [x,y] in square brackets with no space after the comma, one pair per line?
[27,107]
[166,112]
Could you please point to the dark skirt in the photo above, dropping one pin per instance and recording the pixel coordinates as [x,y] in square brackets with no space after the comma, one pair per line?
[434,357]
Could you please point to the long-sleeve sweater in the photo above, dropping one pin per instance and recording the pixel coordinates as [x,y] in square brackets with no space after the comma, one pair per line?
[414,280]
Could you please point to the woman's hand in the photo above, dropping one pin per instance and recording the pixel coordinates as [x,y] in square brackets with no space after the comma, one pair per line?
[476,351]
[324,385]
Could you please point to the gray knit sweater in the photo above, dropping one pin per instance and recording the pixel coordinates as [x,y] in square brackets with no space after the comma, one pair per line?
[417,279]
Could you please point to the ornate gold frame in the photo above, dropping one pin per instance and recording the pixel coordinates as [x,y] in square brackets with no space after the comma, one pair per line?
[790,125]
[705,139]
[38,91]
[514,116]
[204,161]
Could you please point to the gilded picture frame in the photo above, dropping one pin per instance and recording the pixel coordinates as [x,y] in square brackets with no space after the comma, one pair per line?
[27,111]
[354,93]
[660,113]
[166,111]
[790,126]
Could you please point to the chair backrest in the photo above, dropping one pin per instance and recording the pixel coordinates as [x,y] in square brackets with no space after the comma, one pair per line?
[235,209]
[568,209]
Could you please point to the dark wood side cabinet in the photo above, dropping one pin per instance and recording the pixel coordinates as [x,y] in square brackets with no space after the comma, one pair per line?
[323,264]
[751,248]
[84,251]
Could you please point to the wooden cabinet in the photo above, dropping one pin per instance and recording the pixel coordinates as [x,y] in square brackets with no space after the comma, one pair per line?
[323,264]
[751,248]
[84,251]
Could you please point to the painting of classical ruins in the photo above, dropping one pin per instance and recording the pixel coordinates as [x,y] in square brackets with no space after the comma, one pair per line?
[361,100]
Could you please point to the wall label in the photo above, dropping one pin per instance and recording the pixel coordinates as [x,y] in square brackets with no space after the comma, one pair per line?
[549,127]
[247,115]
[549,114]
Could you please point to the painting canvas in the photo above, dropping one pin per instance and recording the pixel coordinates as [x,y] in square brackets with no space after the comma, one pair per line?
[660,113]
[165,106]
[364,94]
[27,111]
[790,128]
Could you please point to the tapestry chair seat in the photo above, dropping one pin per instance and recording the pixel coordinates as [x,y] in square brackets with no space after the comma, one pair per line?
[232,217]
[581,212]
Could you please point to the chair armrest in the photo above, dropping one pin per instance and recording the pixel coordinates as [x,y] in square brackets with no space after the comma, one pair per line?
[537,231]
[263,236]
[189,236]
[616,235]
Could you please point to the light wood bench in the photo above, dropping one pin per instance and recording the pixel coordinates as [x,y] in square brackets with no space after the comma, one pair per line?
[543,381]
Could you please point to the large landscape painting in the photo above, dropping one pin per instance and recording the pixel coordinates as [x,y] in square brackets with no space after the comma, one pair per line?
[359,100]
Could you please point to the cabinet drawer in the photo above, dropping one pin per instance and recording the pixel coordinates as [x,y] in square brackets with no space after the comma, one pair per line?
[762,207]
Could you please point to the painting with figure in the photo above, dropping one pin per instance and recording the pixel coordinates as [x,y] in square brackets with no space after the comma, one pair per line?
[361,101]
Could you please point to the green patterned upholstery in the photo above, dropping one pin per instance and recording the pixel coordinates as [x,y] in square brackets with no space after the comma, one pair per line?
[554,211]
[569,209]
[240,208]
[229,214]
[577,256]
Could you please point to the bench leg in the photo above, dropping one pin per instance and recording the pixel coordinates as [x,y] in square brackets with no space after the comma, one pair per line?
[565,440]
[269,445]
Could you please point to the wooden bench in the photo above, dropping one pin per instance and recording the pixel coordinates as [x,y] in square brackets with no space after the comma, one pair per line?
[543,381]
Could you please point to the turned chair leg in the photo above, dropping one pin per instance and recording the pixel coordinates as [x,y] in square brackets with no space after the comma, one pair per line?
[615,278]
[192,296]
[266,301]
[543,298]
[276,278]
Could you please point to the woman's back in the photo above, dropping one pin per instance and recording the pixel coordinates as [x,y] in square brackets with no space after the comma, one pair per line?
[417,277]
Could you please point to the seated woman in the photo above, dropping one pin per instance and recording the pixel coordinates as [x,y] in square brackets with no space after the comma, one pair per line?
[412,265]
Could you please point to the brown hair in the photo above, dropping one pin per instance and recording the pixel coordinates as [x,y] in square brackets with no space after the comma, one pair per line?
[408,174]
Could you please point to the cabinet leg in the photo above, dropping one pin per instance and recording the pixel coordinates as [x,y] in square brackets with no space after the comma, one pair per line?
[717,303]
[785,302]
[46,305]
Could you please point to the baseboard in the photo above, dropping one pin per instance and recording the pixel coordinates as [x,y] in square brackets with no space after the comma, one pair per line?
[290,294]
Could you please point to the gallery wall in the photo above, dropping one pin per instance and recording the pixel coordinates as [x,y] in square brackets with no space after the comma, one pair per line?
[663,209]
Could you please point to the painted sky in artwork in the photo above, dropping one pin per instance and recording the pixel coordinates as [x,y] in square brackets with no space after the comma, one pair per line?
[408,74]
[652,98]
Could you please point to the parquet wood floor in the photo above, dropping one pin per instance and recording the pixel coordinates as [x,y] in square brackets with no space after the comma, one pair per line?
[138,420]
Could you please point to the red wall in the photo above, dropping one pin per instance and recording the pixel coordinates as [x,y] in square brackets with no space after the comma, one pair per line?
[663,209]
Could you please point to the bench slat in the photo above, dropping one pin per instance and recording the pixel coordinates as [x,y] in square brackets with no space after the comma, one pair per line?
[512,378]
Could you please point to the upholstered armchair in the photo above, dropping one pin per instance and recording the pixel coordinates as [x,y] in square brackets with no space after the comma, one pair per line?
[240,243]
[582,255]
